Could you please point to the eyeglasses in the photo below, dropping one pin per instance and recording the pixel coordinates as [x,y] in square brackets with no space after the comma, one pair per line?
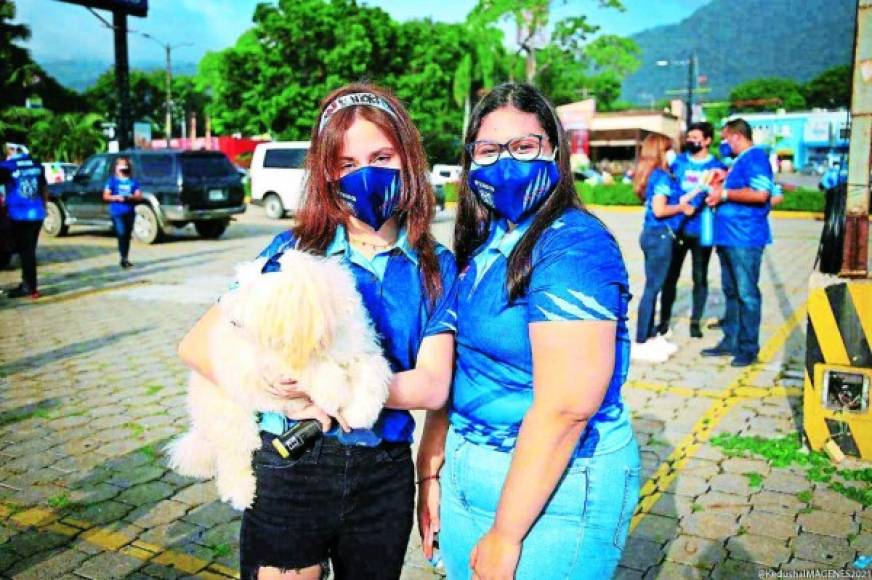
[525,148]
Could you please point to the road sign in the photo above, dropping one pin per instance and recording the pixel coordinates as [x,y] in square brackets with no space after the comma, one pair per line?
[131,7]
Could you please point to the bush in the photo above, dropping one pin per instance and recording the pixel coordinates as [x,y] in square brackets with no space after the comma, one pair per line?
[614,194]
[799,199]
[802,199]
[451,190]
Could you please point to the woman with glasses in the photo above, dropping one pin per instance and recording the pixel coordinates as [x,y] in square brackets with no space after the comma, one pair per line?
[122,192]
[532,471]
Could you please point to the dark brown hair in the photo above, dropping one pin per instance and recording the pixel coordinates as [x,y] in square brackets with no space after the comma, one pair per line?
[474,218]
[322,211]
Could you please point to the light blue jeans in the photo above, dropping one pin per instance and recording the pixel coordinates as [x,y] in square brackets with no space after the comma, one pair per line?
[582,530]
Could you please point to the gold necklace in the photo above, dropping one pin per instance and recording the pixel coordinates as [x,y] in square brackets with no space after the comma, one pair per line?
[375,247]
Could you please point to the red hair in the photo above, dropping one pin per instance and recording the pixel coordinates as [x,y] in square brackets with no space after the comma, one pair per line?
[322,211]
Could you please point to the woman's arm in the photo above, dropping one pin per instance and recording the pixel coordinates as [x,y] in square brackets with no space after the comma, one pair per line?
[661,209]
[194,347]
[108,196]
[564,400]
[425,386]
[431,457]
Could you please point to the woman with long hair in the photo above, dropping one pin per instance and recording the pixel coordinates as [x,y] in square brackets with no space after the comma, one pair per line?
[533,469]
[350,498]
[664,207]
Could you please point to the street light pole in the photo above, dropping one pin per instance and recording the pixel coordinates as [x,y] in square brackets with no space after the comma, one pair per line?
[168,48]
[691,58]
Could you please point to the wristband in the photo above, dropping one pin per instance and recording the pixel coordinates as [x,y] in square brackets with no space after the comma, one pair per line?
[429,477]
[724,195]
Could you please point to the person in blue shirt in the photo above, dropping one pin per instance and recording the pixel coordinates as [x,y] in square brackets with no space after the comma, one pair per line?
[533,470]
[691,169]
[741,234]
[122,192]
[26,196]
[665,208]
[350,498]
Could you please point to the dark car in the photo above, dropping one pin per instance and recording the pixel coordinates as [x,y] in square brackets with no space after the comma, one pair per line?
[179,187]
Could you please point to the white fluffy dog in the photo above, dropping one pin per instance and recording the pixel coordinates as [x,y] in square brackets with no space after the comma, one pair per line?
[306,322]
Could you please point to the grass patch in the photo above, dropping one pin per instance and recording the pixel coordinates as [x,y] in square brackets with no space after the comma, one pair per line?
[804,496]
[755,480]
[614,194]
[153,389]
[787,451]
[802,199]
[696,508]
[149,451]
[59,502]
[451,189]
[220,550]
[135,429]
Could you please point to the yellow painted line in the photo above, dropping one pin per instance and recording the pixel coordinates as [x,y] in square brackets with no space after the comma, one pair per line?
[861,295]
[827,330]
[701,432]
[75,295]
[740,392]
[111,540]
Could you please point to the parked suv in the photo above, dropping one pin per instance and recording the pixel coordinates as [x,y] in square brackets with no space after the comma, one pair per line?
[179,187]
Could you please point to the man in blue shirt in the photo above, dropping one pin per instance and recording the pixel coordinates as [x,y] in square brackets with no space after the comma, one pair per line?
[691,169]
[26,196]
[741,233]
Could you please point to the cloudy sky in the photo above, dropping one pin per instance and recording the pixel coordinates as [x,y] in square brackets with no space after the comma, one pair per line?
[63,31]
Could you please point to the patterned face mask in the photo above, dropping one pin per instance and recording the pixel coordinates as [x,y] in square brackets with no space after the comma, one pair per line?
[514,189]
[372,194]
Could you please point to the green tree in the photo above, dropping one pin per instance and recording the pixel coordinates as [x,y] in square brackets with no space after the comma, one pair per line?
[20,77]
[531,18]
[831,89]
[148,97]
[766,94]
[68,136]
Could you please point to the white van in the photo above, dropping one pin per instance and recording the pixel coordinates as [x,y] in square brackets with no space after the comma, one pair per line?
[443,174]
[277,176]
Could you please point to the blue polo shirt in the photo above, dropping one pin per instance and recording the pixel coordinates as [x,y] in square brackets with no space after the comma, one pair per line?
[125,187]
[24,179]
[689,173]
[393,292]
[661,183]
[746,224]
[578,273]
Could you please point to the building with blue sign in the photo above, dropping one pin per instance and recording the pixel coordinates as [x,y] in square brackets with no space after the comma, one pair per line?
[813,140]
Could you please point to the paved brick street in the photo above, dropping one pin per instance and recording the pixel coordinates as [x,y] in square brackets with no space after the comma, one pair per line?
[91,390]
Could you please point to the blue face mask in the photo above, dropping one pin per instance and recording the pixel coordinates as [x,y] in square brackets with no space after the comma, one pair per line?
[514,189]
[724,149]
[372,194]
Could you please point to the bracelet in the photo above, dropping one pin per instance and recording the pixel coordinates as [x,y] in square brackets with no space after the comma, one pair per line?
[423,479]
[724,195]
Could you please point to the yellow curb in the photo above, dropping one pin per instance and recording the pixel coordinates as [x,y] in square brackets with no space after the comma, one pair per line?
[137,553]
[106,538]
[112,541]
[224,570]
[667,471]
[34,517]
[62,529]
[181,562]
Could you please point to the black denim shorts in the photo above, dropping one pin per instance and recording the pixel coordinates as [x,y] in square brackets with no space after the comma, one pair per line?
[350,505]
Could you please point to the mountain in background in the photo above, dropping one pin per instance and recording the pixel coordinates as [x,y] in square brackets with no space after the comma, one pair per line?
[81,74]
[741,40]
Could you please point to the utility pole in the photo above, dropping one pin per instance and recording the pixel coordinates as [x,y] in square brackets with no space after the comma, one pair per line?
[122,79]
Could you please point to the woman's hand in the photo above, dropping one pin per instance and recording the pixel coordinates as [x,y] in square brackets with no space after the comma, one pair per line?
[495,557]
[714,196]
[429,491]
